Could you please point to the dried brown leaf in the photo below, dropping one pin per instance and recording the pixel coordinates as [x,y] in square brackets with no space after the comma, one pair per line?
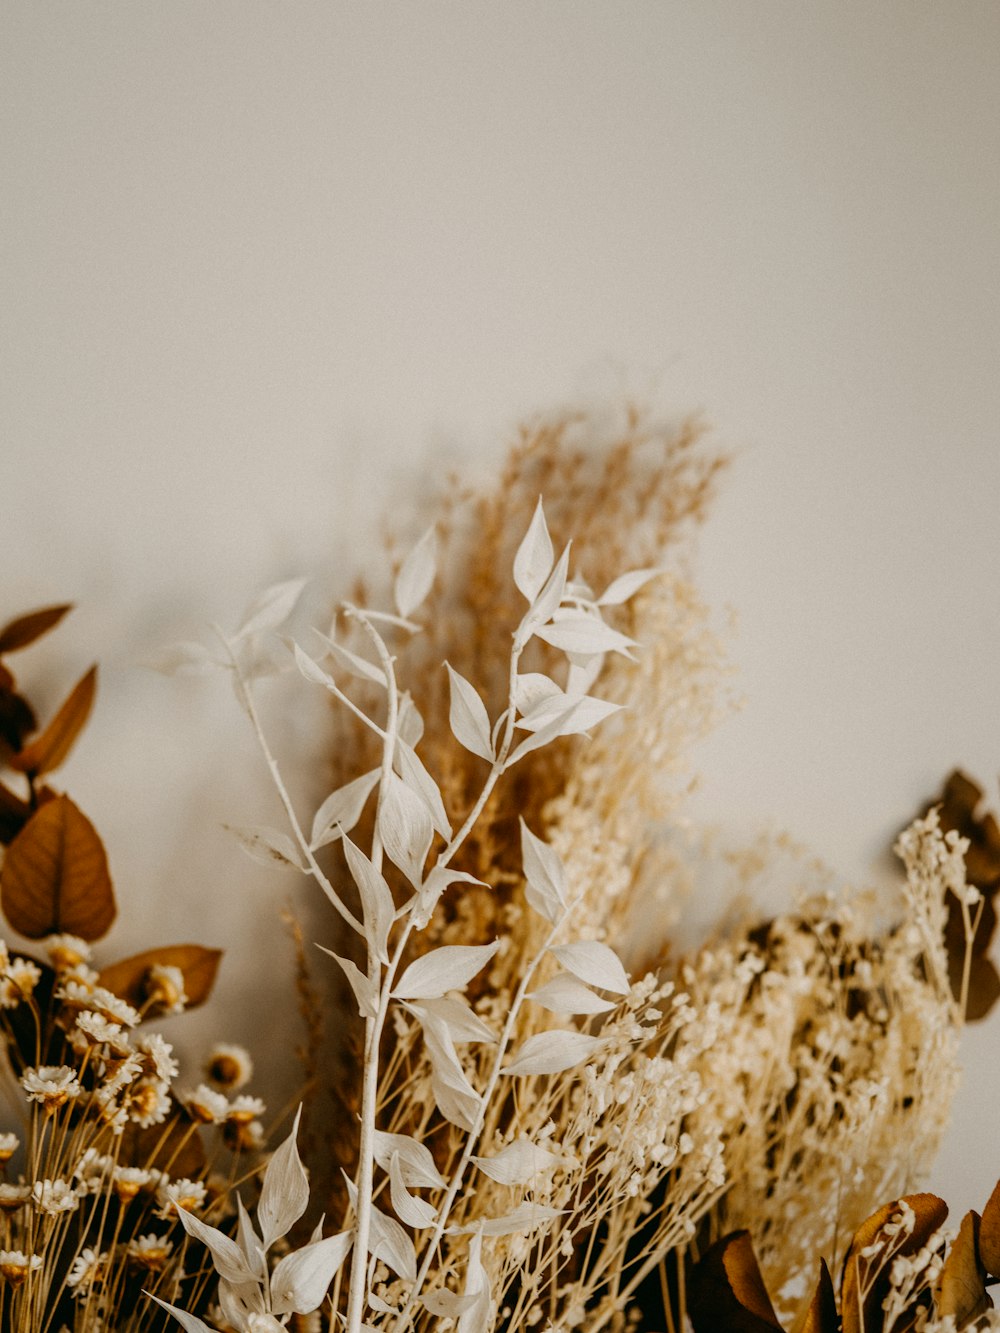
[989,1234]
[55,875]
[14,814]
[17,717]
[198,965]
[27,628]
[960,1291]
[865,1316]
[726,1290]
[48,750]
[822,1315]
[959,802]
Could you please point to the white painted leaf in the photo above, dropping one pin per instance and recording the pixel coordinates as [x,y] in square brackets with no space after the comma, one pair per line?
[300,1280]
[462,1023]
[249,1242]
[518,1163]
[416,1163]
[353,663]
[186,658]
[416,575]
[189,1322]
[409,724]
[404,823]
[417,778]
[625,586]
[451,967]
[284,1195]
[545,876]
[583,672]
[228,1259]
[387,618]
[364,992]
[448,1304]
[549,599]
[532,688]
[268,846]
[376,899]
[342,809]
[582,635]
[482,1314]
[271,608]
[312,671]
[436,883]
[579,714]
[524,1219]
[533,561]
[468,719]
[552,1052]
[408,1208]
[564,994]
[390,1243]
[559,726]
[454,1095]
[595,963]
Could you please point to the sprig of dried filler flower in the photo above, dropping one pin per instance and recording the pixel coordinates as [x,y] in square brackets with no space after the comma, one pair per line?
[110,1144]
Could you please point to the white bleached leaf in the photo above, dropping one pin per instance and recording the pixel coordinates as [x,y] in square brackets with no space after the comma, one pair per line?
[583,672]
[229,1260]
[552,1052]
[585,635]
[284,1195]
[186,658]
[564,994]
[463,1025]
[352,662]
[390,1243]
[342,809]
[451,967]
[189,1322]
[533,561]
[545,876]
[416,575]
[416,777]
[482,1314]
[468,718]
[404,824]
[579,714]
[376,899]
[531,689]
[439,879]
[268,846]
[364,992]
[594,963]
[387,618]
[518,1163]
[249,1242]
[448,1304]
[409,724]
[524,1219]
[311,670]
[300,1280]
[454,1095]
[625,586]
[550,598]
[408,1208]
[416,1163]
[561,725]
[271,608]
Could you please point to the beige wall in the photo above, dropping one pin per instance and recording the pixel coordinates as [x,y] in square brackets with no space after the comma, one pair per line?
[266,263]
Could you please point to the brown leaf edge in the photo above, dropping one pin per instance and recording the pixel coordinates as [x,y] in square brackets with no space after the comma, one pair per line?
[48,750]
[55,875]
[960,1290]
[822,1316]
[865,1316]
[198,965]
[31,626]
[989,1234]
[726,1289]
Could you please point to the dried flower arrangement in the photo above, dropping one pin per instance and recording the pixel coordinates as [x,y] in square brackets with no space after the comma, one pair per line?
[510,1131]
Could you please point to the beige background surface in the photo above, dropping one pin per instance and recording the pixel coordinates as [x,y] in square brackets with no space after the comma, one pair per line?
[266,265]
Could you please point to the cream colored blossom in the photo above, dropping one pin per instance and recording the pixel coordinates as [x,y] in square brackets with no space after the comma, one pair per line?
[15,1266]
[52,1085]
[67,952]
[229,1066]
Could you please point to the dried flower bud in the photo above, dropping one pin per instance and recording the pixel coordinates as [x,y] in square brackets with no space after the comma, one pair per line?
[229,1066]
[163,989]
[15,1266]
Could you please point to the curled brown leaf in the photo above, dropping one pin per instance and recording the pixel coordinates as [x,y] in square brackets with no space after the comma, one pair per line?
[726,1289]
[48,750]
